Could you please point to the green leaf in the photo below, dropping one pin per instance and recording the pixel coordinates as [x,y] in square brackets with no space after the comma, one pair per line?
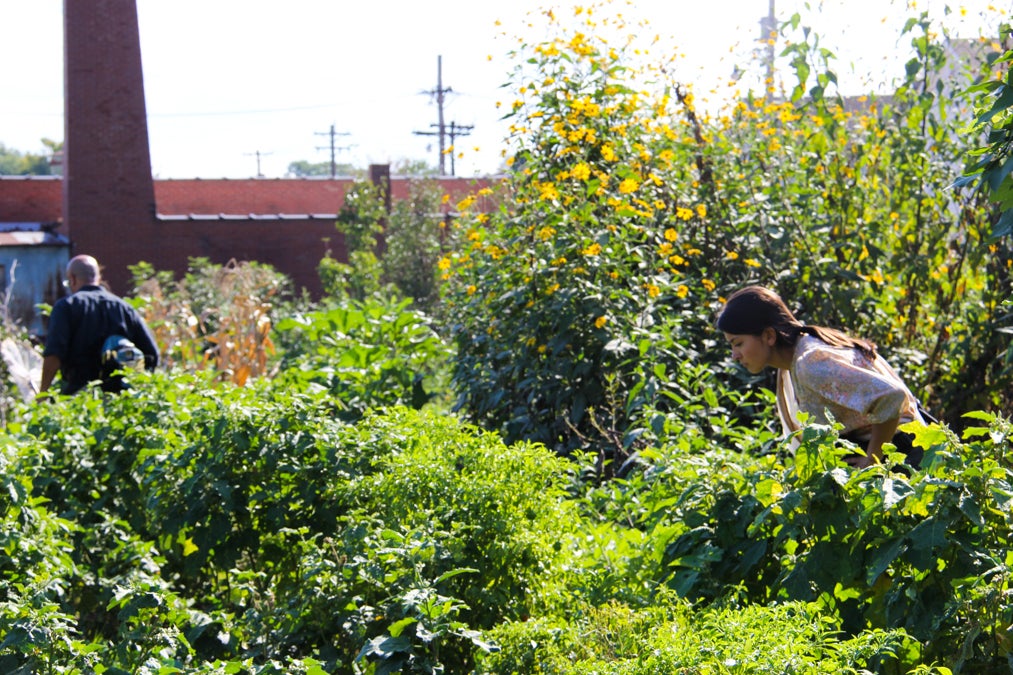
[398,627]
[882,557]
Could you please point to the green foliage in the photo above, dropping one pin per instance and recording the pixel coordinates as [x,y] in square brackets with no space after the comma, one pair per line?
[303,169]
[190,523]
[364,355]
[673,638]
[990,166]
[414,244]
[361,223]
[632,213]
[322,519]
[16,163]
[388,253]
[882,548]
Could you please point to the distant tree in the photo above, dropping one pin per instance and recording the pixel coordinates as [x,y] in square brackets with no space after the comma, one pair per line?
[414,243]
[304,169]
[413,167]
[17,163]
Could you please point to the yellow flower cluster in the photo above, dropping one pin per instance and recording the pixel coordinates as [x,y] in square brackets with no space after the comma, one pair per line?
[628,185]
[545,233]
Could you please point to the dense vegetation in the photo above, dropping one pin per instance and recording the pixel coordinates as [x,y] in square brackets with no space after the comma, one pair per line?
[418,472]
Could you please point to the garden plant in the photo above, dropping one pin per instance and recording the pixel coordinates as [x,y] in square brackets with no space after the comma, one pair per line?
[532,454]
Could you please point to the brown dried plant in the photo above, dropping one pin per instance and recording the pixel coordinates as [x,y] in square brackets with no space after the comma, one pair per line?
[218,318]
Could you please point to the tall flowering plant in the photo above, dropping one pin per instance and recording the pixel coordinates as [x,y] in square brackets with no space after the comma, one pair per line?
[565,300]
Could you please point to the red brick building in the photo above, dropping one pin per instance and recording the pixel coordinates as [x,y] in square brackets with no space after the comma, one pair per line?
[108,205]
[286,223]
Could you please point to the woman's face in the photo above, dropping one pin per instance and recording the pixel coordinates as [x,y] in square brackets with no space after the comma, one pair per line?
[752,352]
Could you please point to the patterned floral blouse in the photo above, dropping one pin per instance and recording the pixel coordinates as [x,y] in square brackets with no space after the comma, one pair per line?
[856,390]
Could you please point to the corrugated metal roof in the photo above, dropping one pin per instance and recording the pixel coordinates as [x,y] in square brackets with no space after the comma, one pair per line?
[30,234]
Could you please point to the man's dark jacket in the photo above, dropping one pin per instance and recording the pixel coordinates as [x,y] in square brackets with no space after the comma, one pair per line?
[80,324]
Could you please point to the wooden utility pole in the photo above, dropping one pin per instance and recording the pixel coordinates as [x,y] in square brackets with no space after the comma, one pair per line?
[768,36]
[441,126]
[455,131]
[333,134]
[259,154]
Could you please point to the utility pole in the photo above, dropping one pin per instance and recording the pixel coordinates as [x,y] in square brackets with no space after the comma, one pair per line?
[455,131]
[768,33]
[441,126]
[333,134]
[258,153]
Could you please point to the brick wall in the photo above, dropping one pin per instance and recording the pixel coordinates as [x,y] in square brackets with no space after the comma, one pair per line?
[291,226]
[108,196]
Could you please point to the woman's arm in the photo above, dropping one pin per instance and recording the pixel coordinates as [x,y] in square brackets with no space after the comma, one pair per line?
[881,433]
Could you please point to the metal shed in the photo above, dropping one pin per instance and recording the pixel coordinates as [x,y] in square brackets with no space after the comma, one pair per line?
[32,262]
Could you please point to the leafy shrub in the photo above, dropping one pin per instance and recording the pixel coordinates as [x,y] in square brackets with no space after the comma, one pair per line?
[673,638]
[632,212]
[364,355]
[257,526]
[926,552]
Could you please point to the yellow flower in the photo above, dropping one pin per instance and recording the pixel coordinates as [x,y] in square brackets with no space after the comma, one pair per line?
[466,203]
[548,192]
[653,291]
[731,255]
[665,248]
[628,185]
[600,321]
[472,289]
[677,260]
[701,210]
[751,262]
[683,213]
[444,263]
[682,291]
[546,233]
[671,234]
[608,153]
[582,171]
[593,249]
[708,284]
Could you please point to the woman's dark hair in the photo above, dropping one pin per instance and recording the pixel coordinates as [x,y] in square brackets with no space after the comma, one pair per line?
[751,310]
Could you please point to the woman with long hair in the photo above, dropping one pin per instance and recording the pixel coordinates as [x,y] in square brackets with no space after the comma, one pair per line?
[823,372]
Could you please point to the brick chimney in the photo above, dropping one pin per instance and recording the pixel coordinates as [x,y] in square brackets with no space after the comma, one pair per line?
[108,193]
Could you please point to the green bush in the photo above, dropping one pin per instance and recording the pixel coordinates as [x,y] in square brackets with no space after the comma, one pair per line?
[632,212]
[201,522]
[674,638]
[883,548]
[363,355]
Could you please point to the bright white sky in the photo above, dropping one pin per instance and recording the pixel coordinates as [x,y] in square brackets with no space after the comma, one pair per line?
[227,80]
